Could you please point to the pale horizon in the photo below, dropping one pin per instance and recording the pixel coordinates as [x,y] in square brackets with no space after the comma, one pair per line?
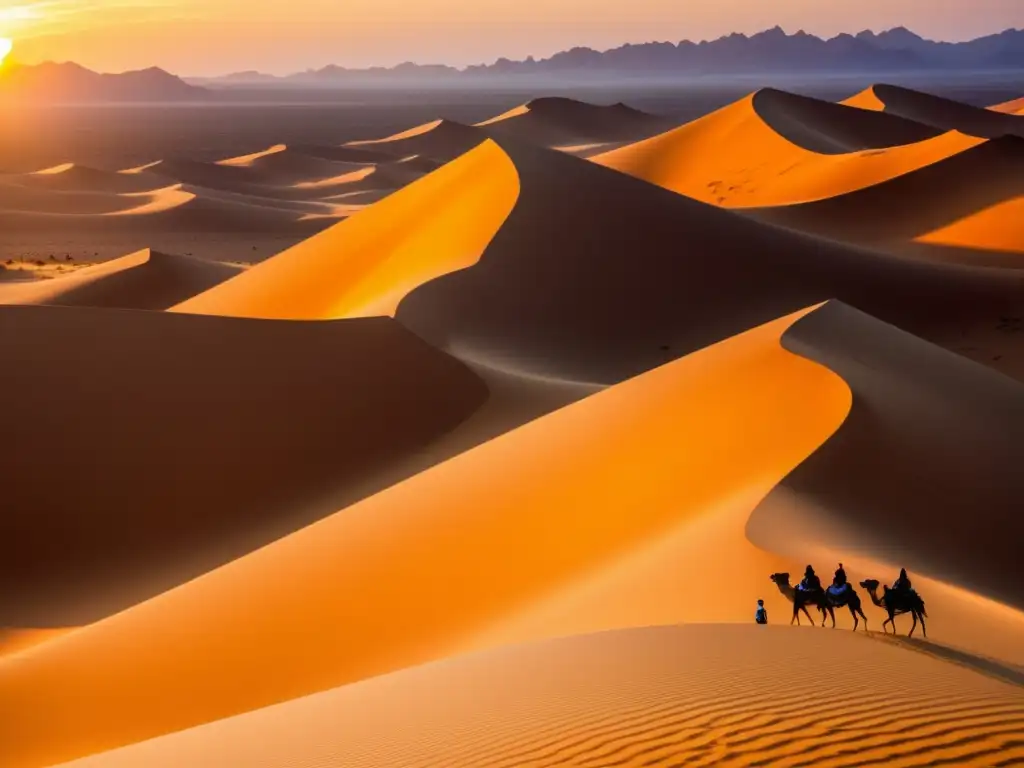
[194,39]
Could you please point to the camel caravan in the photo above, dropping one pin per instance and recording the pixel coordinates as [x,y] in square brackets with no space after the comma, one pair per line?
[898,599]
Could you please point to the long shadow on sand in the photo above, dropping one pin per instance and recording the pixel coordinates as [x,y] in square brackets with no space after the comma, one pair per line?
[1005,673]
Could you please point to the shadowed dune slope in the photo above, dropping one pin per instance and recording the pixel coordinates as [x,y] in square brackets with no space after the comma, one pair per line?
[71,177]
[142,280]
[385,583]
[832,129]
[921,201]
[554,121]
[578,284]
[742,155]
[925,470]
[663,696]
[367,263]
[944,114]
[441,140]
[281,164]
[193,425]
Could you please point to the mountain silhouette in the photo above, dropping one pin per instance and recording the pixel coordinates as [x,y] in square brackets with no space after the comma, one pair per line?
[66,82]
[895,50]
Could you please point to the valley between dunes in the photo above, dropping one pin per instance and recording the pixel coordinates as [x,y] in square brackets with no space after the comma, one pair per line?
[489,464]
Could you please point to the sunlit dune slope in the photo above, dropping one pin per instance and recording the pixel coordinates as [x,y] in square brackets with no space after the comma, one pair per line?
[186,441]
[367,263]
[924,472]
[944,114]
[439,140]
[695,695]
[999,227]
[532,515]
[555,121]
[596,276]
[740,156]
[1014,107]
[923,200]
[142,280]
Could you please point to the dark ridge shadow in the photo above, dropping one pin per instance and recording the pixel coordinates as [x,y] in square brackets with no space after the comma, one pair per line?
[915,203]
[834,129]
[1005,673]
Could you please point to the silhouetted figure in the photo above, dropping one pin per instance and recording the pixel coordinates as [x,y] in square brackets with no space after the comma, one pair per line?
[810,581]
[761,614]
[839,580]
[897,601]
[902,584]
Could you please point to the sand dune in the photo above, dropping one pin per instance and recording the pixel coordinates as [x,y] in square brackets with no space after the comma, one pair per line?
[553,121]
[280,164]
[538,513]
[71,177]
[194,424]
[440,140]
[944,114]
[577,284]
[999,227]
[367,263]
[919,202]
[761,167]
[142,280]
[924,469]
[831,129]
[693,695]
[1014,107]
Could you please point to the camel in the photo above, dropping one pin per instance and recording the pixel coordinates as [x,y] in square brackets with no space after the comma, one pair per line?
[800,600]
[896,603]
[851,600]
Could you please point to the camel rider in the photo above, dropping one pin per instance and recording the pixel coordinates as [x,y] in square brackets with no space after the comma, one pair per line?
[839,581]
[902,584]
[810,582]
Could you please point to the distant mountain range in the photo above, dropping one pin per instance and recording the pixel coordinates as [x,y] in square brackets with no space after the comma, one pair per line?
[896,50]
[69,83]
[771,51]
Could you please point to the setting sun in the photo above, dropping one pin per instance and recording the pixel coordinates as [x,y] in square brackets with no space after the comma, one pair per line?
[5,48]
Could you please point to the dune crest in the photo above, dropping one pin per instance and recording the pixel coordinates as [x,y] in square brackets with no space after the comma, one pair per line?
[761,167]
[942,113]
[547,506]
[366,264]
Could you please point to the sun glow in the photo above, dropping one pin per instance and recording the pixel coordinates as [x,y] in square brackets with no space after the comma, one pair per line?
[5,48]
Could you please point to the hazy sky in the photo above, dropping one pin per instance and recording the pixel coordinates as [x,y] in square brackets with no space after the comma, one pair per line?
[193,37]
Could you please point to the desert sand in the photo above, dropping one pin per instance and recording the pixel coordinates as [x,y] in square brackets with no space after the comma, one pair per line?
[696,695]
[487,461]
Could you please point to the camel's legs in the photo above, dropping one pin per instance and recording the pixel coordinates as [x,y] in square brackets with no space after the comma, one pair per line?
[913,615]
[924,629]
[865,617]
[853,613]
[832,615]
[796,615]
[807,614]
[891,621]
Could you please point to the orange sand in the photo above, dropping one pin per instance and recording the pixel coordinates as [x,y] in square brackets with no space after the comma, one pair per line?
[366,264]
[713,695]
[998,228]
[531,515]
[734,159]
